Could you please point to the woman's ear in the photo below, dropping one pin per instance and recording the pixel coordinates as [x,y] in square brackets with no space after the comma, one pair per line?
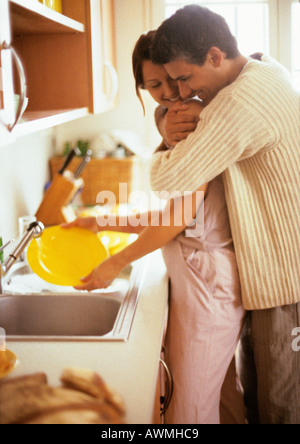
[215,56]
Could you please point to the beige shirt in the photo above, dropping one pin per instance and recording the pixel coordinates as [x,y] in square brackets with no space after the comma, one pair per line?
[250,133]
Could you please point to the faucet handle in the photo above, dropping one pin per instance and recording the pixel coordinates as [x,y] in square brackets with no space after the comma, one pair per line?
[6,245]
[34,230]
[37,228]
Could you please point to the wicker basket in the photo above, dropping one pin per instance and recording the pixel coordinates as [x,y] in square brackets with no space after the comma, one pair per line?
[104,175]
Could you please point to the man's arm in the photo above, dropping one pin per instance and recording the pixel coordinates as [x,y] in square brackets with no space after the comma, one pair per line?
[228,131]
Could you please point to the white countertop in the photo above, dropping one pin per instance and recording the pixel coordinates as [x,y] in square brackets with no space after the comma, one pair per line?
[130,368]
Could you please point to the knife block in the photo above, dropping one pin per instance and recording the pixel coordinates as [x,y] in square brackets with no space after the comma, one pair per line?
[105,174]
[55,208]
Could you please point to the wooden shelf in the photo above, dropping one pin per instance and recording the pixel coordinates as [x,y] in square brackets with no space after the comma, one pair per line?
[41,120]
[29,17]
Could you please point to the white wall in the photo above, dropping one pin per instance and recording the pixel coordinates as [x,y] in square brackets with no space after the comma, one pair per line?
[23,173]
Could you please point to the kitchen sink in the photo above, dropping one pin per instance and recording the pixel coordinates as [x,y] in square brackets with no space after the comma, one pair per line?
[58,315]
[71,316]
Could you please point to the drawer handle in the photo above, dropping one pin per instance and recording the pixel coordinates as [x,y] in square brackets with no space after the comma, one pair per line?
[169,388]
[22,78]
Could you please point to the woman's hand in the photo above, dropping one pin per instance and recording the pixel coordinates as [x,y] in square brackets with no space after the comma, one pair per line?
[102,276]
[89,223]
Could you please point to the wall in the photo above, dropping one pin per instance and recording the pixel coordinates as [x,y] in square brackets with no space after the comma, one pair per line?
[24,171]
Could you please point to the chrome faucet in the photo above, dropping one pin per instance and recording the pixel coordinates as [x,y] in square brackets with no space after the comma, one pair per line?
[34,230]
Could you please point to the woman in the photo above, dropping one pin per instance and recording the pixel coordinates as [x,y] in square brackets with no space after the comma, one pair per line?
[206,312]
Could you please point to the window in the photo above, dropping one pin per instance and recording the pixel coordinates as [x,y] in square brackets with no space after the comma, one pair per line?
[268,26]
[240,17]
[296,44]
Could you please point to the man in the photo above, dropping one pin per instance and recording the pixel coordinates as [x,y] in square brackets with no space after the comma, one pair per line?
[250,133]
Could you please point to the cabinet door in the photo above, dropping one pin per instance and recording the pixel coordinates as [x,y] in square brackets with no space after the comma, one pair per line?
[110,77]
[6,76]
[104,76]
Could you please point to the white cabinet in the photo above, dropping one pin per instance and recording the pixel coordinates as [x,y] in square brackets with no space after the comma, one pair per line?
[105,78]
[68,60]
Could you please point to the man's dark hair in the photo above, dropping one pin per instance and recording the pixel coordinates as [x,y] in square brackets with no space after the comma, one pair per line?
[189,34]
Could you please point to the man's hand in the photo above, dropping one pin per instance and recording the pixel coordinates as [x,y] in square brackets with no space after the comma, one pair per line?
[176,124]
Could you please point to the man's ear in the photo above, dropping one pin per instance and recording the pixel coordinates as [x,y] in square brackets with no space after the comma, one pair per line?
[215,56]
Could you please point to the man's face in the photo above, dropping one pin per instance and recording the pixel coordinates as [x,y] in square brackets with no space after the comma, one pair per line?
[193,80]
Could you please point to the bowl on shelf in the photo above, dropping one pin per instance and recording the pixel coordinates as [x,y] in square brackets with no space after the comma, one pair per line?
[53,4]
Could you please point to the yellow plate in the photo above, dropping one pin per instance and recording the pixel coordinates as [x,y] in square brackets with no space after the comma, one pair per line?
[8,361]
[62,256]
[116,241]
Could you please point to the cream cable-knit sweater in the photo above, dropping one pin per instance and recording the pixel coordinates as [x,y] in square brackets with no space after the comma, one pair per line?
[250,132]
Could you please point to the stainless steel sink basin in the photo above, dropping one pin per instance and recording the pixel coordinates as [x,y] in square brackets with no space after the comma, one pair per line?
[74,316]
[58,315]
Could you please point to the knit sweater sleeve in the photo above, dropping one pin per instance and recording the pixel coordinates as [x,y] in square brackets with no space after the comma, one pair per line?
[229,131]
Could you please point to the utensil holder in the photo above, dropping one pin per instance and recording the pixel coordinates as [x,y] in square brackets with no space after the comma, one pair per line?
[55,209]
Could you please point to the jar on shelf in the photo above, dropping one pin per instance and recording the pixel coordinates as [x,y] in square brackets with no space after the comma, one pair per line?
[53,4]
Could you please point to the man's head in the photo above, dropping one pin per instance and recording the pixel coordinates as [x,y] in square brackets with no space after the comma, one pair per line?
[196,47]
[189,34]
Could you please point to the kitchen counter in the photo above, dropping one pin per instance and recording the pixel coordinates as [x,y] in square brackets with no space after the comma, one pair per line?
[130,368]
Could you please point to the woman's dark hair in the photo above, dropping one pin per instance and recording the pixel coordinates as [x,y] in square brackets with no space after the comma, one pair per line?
[189,34]
[141,53]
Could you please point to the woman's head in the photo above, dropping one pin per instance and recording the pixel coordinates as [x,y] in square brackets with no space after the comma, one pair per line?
[153,78]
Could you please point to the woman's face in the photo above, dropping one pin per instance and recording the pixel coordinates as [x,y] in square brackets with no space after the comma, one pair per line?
[159,84]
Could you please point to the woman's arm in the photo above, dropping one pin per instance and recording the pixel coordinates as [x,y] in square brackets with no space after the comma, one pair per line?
[177,216]
[163,227]
[112,222]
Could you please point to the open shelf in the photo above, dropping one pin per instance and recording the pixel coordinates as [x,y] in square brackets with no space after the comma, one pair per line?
[29,17]
[37,31]
[40,120]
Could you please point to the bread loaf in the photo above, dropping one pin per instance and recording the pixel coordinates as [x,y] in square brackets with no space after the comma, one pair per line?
[90,382]
[30,400]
